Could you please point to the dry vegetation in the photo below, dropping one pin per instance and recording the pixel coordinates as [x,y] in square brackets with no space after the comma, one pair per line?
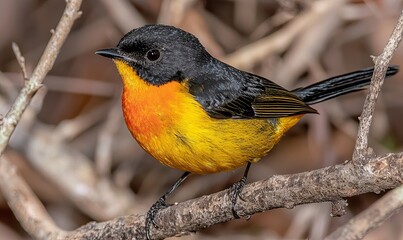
[73,149]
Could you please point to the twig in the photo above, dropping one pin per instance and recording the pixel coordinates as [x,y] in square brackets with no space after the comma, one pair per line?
[371,217]
[326,184]
[381,65]
[46,62]
[381,210]
[20,198]
[20,59]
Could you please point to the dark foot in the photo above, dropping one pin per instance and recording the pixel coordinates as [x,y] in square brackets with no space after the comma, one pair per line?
[152,212]
[160,204]
[235,192]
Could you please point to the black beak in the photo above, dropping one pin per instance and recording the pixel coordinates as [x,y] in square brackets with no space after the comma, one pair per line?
[112,53]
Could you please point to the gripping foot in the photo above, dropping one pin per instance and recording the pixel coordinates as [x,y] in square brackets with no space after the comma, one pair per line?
[236,190]
[160,204]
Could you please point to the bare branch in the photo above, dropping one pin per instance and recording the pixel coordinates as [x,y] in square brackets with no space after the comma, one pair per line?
[381,210]
[326,184]
[381,65]
[24,204]
[372,217]
[46,62]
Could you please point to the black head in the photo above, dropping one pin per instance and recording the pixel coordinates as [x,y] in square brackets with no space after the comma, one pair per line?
[160,53]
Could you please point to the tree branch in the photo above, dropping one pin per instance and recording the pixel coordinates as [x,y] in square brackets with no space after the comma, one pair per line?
[326,184]
[24,204]
[381,65]
[380,211]
[371,218]
[45,63]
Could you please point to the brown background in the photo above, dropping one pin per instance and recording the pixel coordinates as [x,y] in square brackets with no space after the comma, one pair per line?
[83,90]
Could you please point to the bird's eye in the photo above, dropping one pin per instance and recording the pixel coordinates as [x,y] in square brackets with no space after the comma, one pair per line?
[153,55]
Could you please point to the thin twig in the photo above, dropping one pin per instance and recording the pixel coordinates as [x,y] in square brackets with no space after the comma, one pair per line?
[20,60]
[381,65]
[45,63]
[377,213]
[24,204]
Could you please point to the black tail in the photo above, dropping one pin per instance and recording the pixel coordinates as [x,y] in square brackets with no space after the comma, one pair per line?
[339,85]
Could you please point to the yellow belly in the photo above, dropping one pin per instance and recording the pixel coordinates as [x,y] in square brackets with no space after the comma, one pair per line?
[210,145]
[173,127]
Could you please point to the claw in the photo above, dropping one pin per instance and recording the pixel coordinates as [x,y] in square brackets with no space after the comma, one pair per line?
[236,190]
[152,212]
[160,204]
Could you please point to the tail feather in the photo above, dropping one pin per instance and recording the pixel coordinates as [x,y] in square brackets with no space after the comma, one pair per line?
[339,85]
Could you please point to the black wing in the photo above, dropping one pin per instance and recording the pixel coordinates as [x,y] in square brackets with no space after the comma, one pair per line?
[231,93]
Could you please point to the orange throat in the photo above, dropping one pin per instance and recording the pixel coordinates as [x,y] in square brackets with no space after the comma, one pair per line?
[148,110]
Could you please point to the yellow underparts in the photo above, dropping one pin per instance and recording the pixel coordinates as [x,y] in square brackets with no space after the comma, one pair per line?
[173,127]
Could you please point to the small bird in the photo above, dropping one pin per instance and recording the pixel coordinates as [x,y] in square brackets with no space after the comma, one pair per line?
[194,113]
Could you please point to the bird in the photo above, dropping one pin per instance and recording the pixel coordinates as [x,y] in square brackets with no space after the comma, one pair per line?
[197,114]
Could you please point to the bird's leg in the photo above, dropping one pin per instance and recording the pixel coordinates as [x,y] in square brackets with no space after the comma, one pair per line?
[161,204]
[236,190]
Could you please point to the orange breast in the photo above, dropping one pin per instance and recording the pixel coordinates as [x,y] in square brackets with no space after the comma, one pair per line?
[149,110]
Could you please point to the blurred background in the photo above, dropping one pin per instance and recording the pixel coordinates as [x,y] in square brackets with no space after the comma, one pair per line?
[74,150]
